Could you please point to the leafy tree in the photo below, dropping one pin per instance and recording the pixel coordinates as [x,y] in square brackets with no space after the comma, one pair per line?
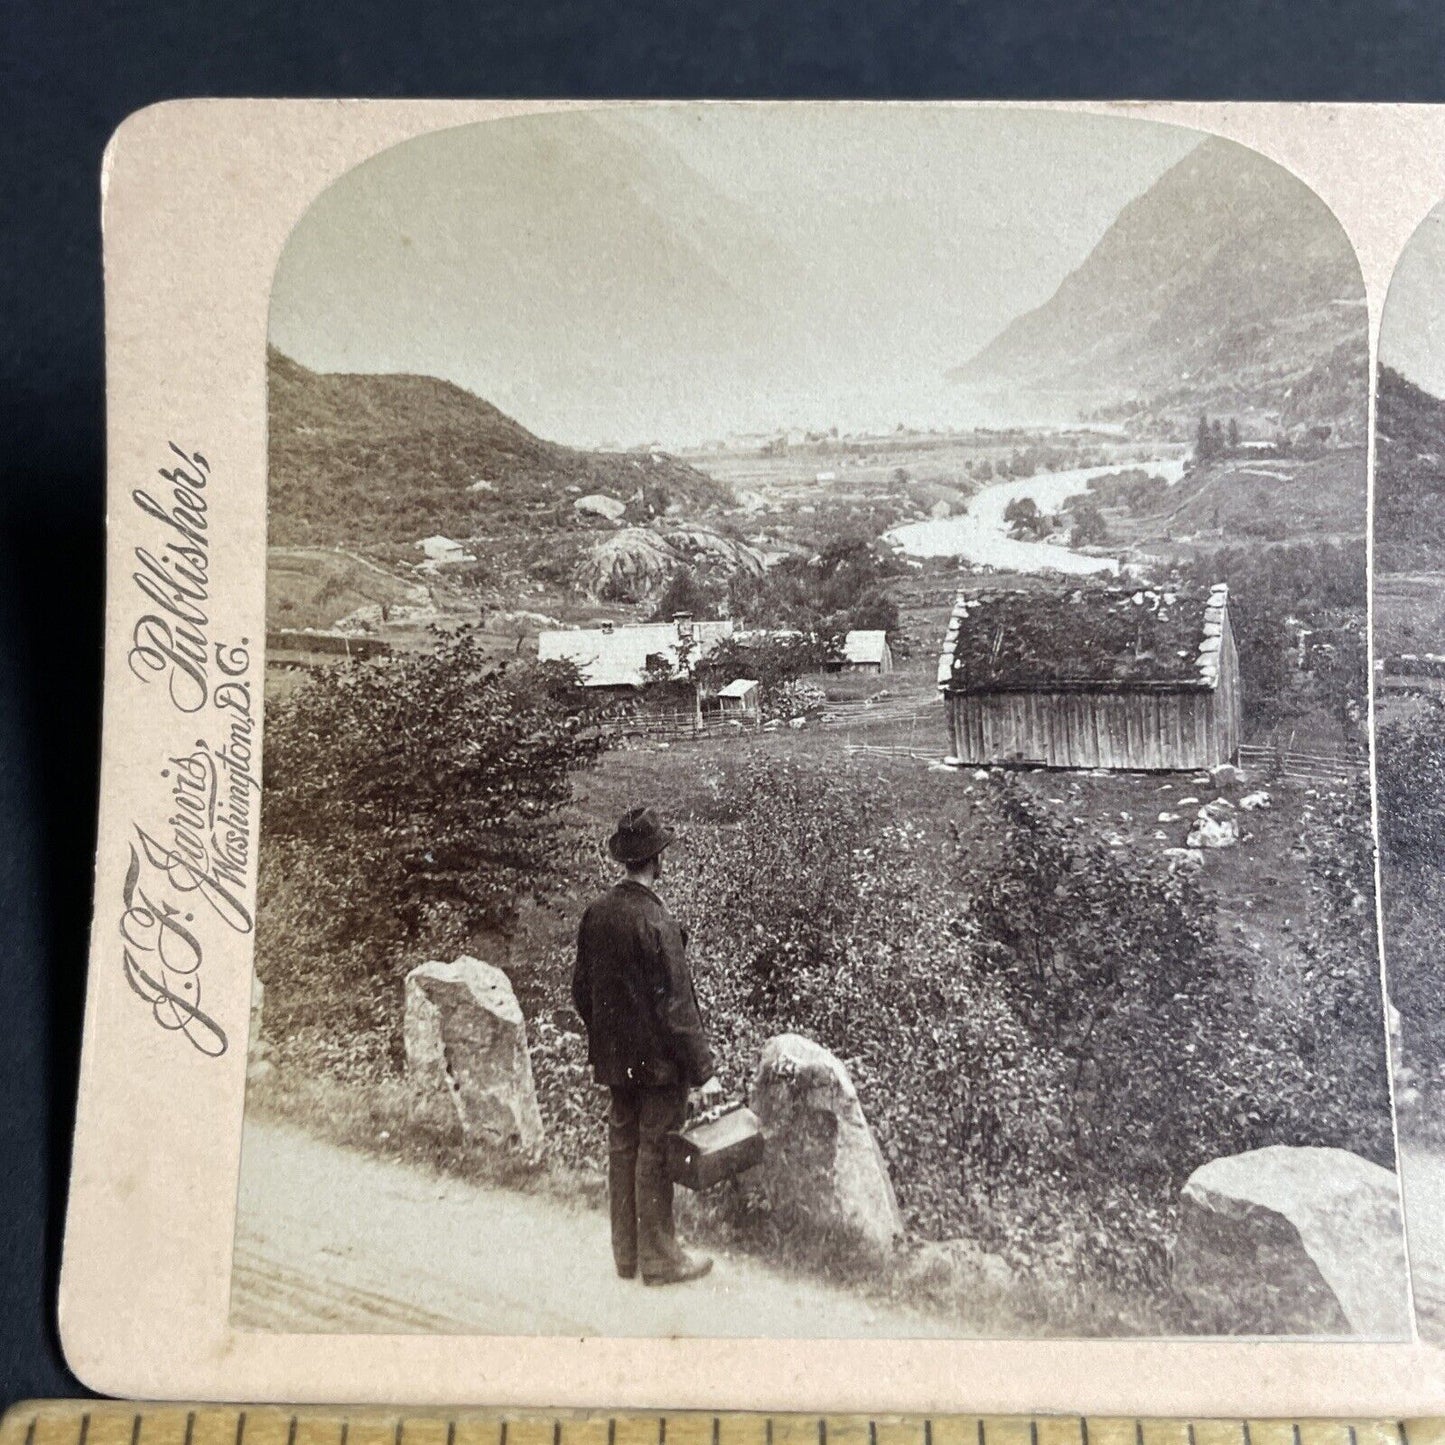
[1204,447]
[686,592]
[410,806]
[843,587]
[1233,434]
[771,661]
[1321,584]
[1089,527]
[1024,518]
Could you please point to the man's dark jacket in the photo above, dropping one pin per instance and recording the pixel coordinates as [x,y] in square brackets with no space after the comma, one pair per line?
[633,990]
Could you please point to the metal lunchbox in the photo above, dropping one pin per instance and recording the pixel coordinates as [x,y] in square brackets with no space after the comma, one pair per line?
[716,1145]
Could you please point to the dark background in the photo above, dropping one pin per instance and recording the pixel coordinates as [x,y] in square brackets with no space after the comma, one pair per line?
[69,72]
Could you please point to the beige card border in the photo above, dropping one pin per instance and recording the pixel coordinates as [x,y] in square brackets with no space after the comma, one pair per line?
[199,197]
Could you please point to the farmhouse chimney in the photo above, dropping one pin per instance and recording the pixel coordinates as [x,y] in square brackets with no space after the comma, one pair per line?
[607,629]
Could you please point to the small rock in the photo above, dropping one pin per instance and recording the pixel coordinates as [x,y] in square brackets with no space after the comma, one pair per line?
[1251,801]
[1213,833]
[1184,860]
[1226,775]
[1169,817]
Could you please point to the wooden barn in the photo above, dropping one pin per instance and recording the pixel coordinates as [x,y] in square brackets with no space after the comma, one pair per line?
[1097,677]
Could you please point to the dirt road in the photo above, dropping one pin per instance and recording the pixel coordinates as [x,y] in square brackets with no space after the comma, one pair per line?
[329,1240]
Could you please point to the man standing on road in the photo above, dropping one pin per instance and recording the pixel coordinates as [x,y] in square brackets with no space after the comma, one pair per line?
[646,1043]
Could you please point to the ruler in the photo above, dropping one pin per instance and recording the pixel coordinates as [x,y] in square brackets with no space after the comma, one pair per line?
[101,1422]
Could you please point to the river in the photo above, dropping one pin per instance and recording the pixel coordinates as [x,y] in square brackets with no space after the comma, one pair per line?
[981,535]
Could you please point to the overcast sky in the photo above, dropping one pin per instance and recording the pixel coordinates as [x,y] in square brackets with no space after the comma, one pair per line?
[1412,328]
[683,273]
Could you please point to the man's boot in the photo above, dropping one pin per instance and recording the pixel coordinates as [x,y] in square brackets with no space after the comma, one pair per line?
[687,1266]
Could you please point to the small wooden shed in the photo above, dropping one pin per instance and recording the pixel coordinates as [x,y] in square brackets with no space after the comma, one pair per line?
[740,699]
[1134,679]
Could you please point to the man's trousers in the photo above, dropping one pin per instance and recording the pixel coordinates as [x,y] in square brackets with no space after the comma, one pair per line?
[639,1189]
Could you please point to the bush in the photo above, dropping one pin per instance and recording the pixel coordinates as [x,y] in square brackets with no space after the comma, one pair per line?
[1411,782]
[784,701]
[410,808]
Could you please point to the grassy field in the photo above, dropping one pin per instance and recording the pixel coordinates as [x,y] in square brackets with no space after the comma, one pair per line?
[1409,613]
[1257,888]
[1241,499]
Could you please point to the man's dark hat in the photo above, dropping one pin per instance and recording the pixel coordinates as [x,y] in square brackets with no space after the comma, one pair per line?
[641,834]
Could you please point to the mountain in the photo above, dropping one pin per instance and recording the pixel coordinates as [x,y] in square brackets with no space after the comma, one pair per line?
[567,268]
[385,458]
[1228,287]
[1409,474]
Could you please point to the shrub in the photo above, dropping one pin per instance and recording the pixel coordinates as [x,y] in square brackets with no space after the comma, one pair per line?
[410,807]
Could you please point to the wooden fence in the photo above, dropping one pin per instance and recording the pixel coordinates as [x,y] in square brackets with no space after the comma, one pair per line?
[1303,767]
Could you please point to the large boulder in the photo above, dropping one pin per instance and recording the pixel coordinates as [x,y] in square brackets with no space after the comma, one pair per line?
[599,504]
[466,1054]
[1294,1241]
[628,565]
[823,1166]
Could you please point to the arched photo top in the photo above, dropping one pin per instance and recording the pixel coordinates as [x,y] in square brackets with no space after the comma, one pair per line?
[681,274]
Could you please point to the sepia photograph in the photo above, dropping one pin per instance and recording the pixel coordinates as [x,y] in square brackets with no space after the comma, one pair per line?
[816,771]
[1409,660]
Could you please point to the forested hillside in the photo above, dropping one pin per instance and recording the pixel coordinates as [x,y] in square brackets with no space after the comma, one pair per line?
[377,458]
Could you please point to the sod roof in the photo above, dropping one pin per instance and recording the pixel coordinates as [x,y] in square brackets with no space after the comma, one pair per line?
[1006,639]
